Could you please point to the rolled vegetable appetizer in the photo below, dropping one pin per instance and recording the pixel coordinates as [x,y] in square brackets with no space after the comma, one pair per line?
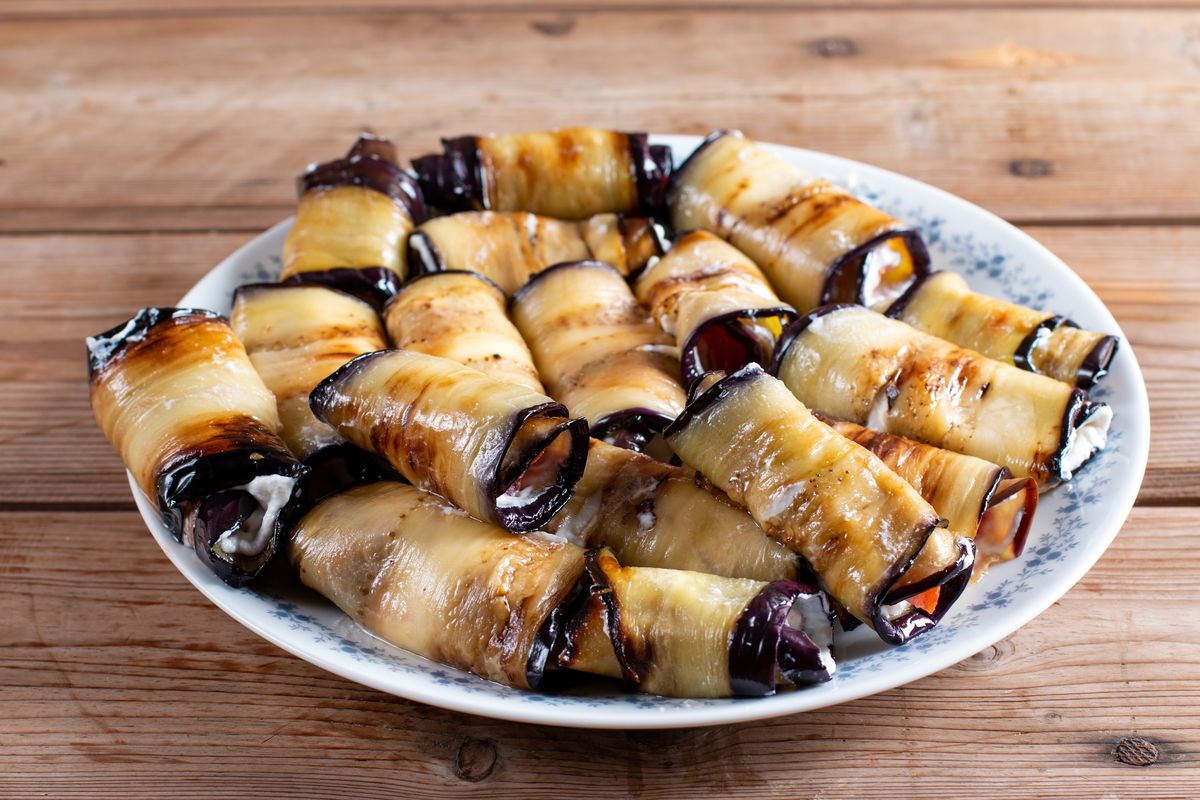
[857,365]
[688,634]
[352,223]
[716,303]
[859,525]
[570,173]
[942,304]
[978,499]
[598,353]
[510,248]
[175,393]
[816,242]
[425,576]
[498,450]
[461,316]
[652,514]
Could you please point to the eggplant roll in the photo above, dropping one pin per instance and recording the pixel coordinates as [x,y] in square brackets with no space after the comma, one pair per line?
[353,222]
[570,173]
[652,514]
[717,304]
[416,571]
[297,335]
[176,394]
[510,248]
[461,316]
[943,305]
[816,242]
[859,525]
[978,499]
[689,634]
[497,450]
[598,352]
[854,364]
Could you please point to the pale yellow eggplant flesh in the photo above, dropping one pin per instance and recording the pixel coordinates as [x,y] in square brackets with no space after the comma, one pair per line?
[815,241]
[854,364]
[498,450]
[509,248]
[598,352]
[572,173]
[461,316]
[176,394]
[857,523]
[690,634]
[418,572]
[942,304]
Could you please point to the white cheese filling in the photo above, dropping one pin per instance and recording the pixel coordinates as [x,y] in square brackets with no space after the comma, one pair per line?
[809,614]
[252,536]
[1086,440]
[878,412]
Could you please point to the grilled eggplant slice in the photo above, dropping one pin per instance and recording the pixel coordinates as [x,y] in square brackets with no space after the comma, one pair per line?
[353,222]
[816,242]
[598,353]
[859,525]
[510,248]
[716,303]
[425,576]
[175,393]
[943,305]
[854,364]
[571,173]
[498,450]
[978,499]
[461,316]
[652,514]
[688,634]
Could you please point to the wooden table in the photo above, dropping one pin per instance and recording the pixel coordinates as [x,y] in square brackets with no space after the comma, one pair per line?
[140,144]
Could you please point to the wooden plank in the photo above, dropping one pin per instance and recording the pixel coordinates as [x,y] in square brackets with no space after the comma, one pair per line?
[111,124]
[115,673]
[62,288]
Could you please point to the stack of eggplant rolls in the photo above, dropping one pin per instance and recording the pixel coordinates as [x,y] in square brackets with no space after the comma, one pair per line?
[550,405]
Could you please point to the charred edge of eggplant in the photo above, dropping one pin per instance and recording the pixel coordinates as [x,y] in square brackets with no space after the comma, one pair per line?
[994,498]
[900,304]
[633,669]
[373,285]
[1022,356]
[491,284]
[936,579]
[254,288]
[762,644]
[553,637]
[957,577]
[112,343]
[1096,363]
[858,258]
[1078,409]
[754,350]
[549,502]
[368,145]
[323,393]
[718,391]
[453,180]
[423,258]
[586,263]
[899,631]
[678,173]
[630,428]
[337,467]
[798,327]
[632,225]
[370,172]
[651,171]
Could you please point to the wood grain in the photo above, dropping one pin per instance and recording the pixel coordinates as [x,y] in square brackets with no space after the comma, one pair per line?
[62,288]
[136,123]
[115,673]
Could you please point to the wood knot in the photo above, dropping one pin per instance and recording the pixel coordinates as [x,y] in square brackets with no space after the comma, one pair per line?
[554,27]
[990,656]
[1030,167]
[1136,751]
[833,47]
[476,759]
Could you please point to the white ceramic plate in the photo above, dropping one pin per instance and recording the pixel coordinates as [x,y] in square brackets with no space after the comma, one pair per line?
[1074,524]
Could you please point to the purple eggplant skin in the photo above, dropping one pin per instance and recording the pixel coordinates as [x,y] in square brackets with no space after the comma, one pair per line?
[630,428]
[1095,365]
[847,275]
[537,510]
[651,170]
[370,164]
[373,285]
[762,644]
[733,325]
[453,180]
